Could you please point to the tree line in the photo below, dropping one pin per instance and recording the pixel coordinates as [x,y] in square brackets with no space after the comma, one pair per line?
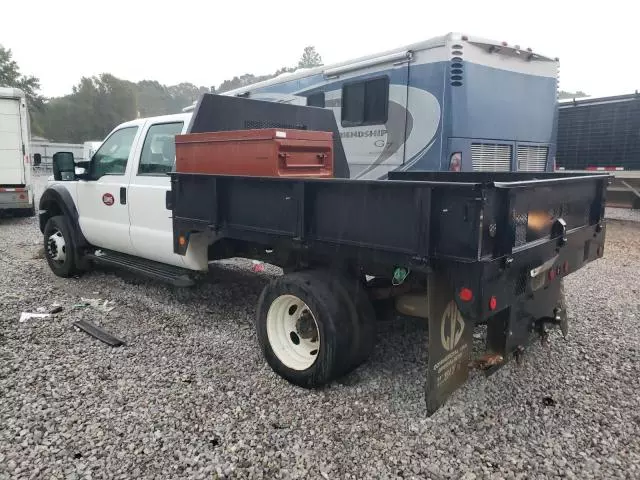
[98,103]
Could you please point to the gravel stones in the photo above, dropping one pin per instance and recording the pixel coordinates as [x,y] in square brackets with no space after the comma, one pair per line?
[191,397]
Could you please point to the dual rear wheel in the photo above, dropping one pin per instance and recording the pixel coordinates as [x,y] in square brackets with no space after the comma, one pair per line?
[314,327]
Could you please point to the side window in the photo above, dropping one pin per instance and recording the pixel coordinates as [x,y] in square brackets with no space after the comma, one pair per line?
[112,156]
[365,103]
[159,149]
[316,100]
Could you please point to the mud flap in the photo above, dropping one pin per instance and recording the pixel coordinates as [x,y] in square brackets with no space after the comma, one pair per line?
[450,343]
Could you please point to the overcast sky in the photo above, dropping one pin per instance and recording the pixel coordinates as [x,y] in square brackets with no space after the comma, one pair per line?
[206,42]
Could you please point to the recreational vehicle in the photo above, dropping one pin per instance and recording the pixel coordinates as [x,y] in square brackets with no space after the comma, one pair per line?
[453,102]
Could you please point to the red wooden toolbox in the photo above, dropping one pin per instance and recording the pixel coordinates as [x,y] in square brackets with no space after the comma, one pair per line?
[269,152]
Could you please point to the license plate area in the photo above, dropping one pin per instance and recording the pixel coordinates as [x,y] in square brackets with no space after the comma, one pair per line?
[539,281]
[540,273]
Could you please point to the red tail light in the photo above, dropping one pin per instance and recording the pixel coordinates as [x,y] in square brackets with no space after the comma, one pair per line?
[455,164]
[466,295]
[493,303]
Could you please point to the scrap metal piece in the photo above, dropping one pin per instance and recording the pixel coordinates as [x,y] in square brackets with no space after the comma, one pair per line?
[561,316]
[562,319]
[488,360]
[98,333]
[24,316]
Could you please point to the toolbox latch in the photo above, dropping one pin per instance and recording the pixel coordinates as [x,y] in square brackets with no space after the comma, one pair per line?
[559,230]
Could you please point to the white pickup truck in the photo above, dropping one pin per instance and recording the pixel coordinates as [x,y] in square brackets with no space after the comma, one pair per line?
[16,192]
[118,204]
[458,249]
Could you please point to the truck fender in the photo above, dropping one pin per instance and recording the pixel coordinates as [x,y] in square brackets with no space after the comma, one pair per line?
[56,200]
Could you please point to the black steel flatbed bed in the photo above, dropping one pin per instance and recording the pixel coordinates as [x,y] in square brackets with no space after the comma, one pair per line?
[508,239]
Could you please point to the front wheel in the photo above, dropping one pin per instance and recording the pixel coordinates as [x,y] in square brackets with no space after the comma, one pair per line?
[58,247]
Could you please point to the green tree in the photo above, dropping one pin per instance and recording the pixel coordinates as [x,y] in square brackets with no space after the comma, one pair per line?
[310,58]
[96,105]
[184,94]
[10,76]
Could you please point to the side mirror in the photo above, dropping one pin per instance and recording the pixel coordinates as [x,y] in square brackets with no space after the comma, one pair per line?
[37,159]
[64,166]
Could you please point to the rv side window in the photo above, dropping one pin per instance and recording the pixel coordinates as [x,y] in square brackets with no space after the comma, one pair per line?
[316,100]
[365,103]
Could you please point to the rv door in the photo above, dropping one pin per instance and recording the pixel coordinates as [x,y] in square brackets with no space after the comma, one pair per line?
[372,119]
[11,146]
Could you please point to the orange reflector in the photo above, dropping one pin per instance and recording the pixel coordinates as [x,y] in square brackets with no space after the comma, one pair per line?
[182,241]
[552,274]
[493,303]
[466,295]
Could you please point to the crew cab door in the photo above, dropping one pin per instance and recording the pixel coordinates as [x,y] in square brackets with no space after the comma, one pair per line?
[102,203]
[151,225]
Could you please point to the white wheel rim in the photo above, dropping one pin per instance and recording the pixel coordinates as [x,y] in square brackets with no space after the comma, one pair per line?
[56,247]
[293,332]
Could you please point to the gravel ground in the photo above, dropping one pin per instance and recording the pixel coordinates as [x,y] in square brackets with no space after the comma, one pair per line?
[623,214]
[191,397]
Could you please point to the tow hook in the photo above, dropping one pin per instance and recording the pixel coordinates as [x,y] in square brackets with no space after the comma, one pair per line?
[518,354]
[561,319]
[541,328]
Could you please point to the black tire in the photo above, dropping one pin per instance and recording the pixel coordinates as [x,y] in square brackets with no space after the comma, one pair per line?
[66,268]
[325,300]
[363,316]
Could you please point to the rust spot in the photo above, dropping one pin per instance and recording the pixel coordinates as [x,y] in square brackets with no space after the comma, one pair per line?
[488,360]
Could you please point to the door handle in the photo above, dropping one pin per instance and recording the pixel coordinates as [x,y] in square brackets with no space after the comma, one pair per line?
[123,195]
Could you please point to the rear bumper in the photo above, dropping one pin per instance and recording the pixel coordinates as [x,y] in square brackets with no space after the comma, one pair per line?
[15,198]
[508,282]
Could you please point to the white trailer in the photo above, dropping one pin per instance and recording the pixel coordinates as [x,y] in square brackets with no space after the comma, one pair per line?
[16,189]
[42,151]
[89,149]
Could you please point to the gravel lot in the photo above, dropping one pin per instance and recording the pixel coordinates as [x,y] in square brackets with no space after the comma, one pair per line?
[191,397]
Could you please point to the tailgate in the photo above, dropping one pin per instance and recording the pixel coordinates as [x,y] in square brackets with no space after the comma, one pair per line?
[534,211]
[11,163]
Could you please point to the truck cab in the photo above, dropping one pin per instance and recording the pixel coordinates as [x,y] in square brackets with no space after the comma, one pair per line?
[118,202]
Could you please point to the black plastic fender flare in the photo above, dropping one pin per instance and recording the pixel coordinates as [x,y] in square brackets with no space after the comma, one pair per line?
[57,197]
